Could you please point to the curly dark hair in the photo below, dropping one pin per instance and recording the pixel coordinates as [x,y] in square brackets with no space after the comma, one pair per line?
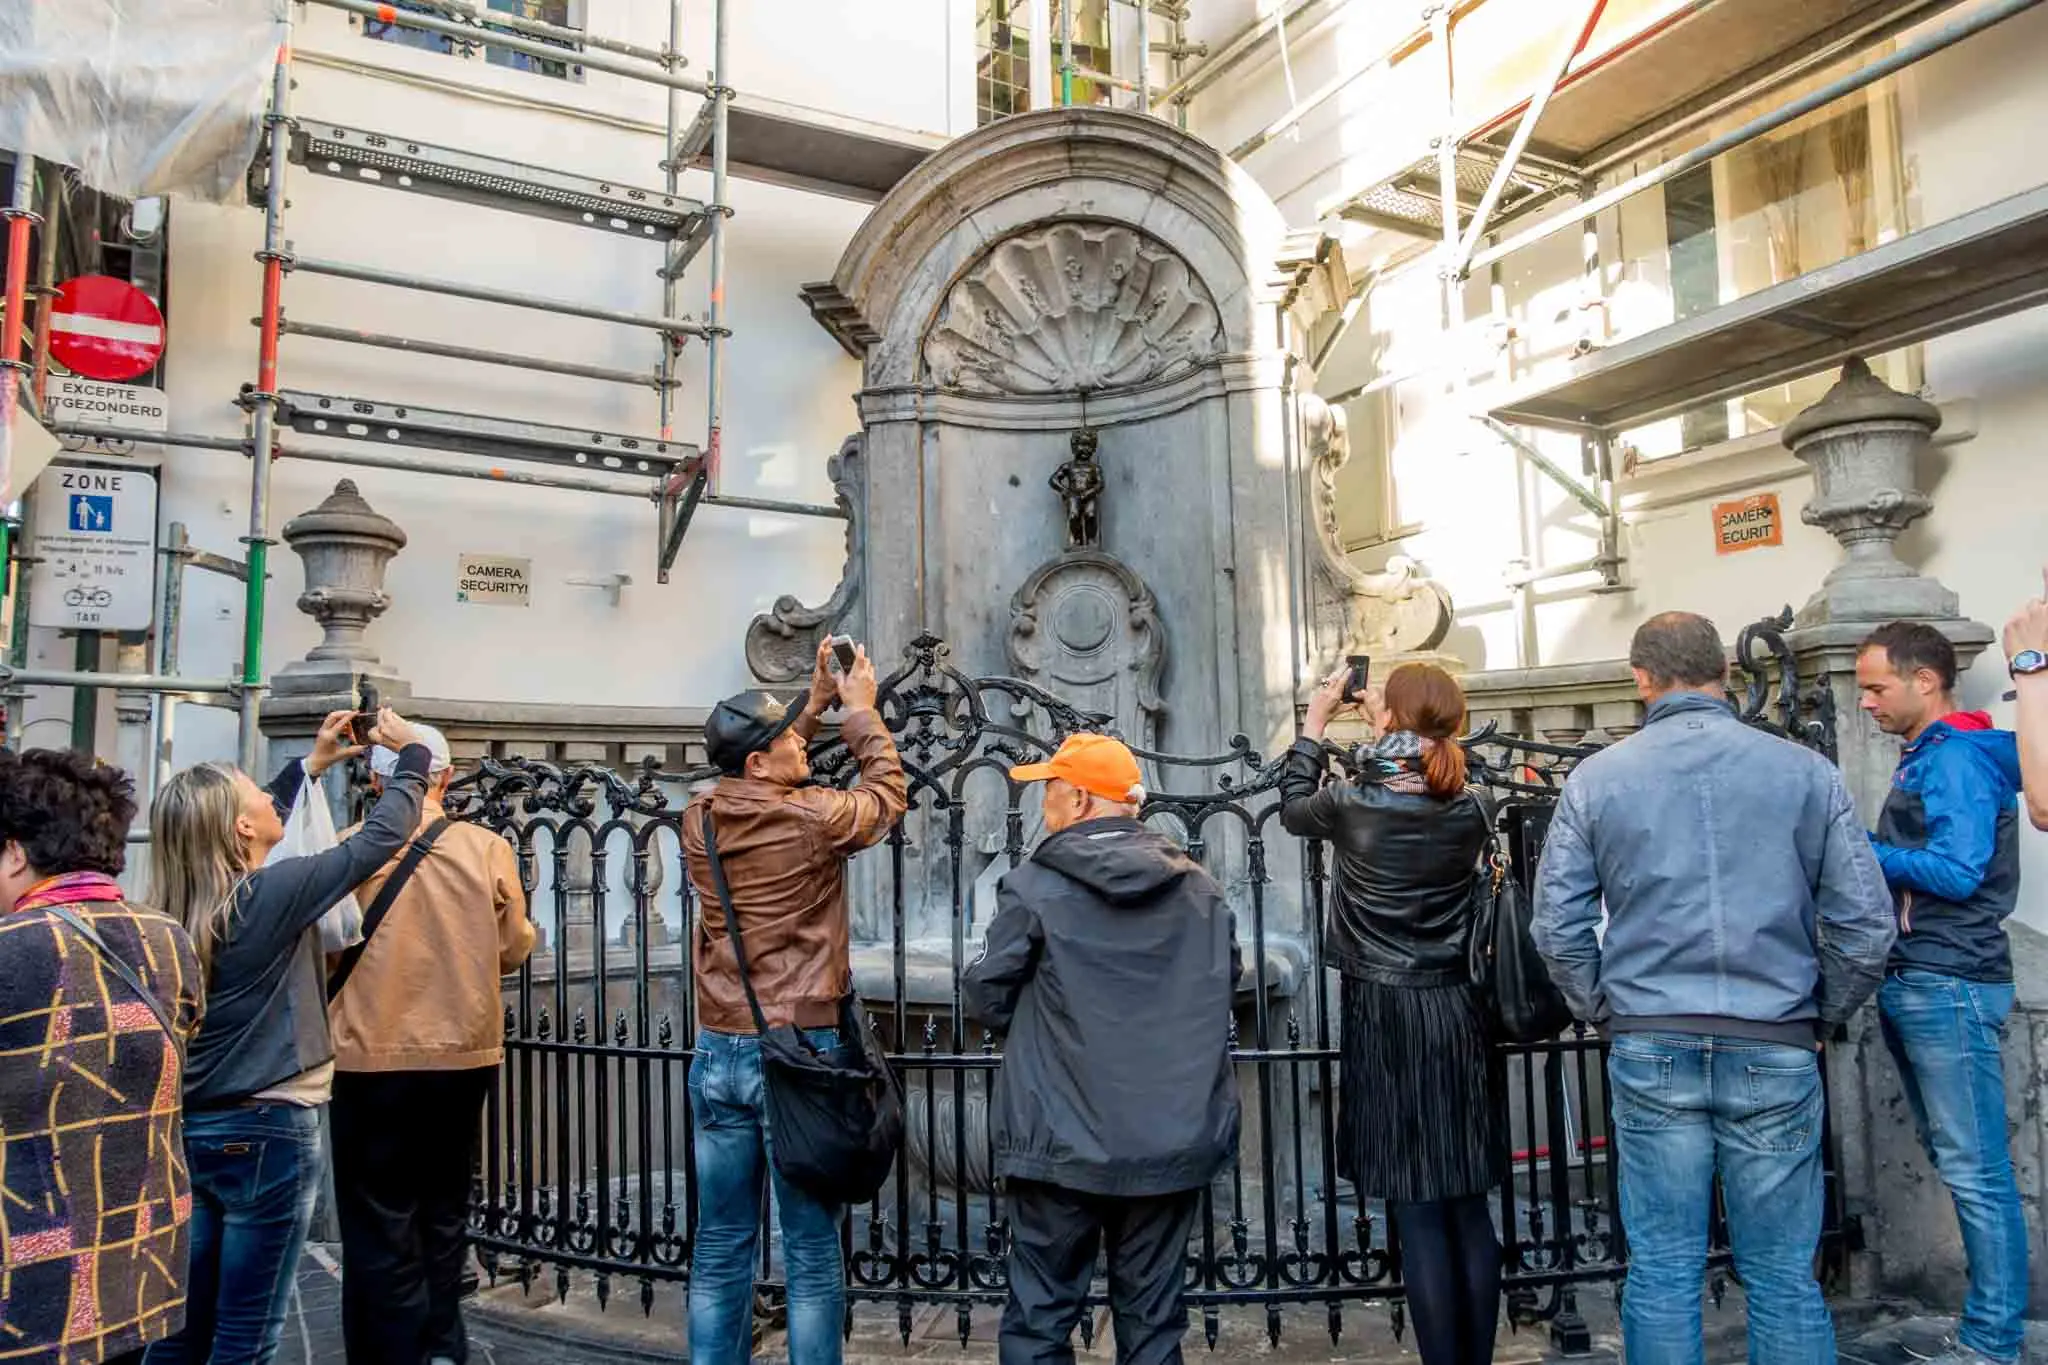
[68,812]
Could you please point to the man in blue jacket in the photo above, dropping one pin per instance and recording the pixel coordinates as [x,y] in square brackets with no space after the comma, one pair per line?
[1948,840]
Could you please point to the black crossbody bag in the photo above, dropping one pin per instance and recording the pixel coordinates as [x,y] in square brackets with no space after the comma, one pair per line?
[387,895]
[836,1122]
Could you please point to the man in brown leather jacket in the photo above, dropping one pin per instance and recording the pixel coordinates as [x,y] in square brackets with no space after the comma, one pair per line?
[784,846]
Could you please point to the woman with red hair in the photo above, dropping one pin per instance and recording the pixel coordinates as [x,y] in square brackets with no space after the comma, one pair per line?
[1421,1120]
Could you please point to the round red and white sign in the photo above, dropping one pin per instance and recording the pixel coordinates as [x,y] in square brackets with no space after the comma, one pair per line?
[104,328]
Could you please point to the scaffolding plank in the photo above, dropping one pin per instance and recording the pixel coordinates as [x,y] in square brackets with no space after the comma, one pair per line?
[1701,53]
[1635,85]
[1973,268]
[808,149]
[393,162]
[401,424]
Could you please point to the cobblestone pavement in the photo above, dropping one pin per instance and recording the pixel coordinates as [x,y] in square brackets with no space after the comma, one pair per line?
[511,1325]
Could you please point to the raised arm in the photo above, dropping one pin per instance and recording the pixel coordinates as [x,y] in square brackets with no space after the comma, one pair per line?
[2029,630]
[852,820]
[331,745]
[1308,809]
[285,898]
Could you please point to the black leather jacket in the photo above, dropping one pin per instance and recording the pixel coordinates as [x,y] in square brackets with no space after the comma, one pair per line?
[1403,865]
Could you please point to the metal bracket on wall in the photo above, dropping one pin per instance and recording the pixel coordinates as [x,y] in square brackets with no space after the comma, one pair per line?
[1607,563]
[359,419]
[389,162]
[679,503]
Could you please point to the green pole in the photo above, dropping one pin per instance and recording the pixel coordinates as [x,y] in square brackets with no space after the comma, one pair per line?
[252,616]
[85,701]
[1066,54]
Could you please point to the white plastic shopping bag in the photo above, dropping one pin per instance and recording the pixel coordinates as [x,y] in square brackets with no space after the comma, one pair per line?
[308,830]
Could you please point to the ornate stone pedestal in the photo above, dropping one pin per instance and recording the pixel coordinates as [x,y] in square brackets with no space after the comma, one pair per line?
[346,545]
[1864,441]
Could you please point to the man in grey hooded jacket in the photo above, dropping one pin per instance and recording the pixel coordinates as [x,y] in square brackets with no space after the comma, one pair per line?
[1111,963]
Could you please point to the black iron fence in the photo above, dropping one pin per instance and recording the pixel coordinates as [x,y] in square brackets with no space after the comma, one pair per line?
[586,1161]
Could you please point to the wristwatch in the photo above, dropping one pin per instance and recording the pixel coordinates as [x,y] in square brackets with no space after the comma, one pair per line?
[2028,661]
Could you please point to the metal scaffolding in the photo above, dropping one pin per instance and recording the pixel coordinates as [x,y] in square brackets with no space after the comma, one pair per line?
[677,476]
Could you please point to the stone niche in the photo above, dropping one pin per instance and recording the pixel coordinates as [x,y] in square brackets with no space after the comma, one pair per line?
[1088,459]
[1099,270]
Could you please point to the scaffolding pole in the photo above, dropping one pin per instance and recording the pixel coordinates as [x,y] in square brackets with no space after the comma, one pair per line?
[1497,185]
[263,400]
[1234,51]
[46,289]
[355,337]
[680,499]
[14,375]
[363,274]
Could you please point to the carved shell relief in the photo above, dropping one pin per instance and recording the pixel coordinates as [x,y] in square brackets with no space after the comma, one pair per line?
[1076,306]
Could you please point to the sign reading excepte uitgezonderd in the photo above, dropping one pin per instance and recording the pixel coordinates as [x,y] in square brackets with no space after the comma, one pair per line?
[493,580]
[1748,524]
[96,402]
[95,550]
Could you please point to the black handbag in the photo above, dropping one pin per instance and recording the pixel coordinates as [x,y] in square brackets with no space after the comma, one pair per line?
[1527,1006]
[836,1122]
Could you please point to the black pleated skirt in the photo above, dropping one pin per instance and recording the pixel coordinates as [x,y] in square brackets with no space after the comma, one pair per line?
[1422,1112]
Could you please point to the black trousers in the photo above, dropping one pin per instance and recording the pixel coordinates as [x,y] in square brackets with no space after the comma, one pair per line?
[404,1145]
[1054,1237]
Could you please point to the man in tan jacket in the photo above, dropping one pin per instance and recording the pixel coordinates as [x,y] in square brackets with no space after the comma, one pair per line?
[418,1035]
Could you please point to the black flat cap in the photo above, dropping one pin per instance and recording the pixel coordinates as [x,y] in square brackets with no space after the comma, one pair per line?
[747,724]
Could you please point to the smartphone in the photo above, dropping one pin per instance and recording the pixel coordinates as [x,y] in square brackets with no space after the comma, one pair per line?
[843,656]
[1361,671]
[364,720]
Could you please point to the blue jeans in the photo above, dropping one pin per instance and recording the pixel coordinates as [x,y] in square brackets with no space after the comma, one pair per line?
[729,1120]
[256,1174]
[1687,1106]
[1944,1033]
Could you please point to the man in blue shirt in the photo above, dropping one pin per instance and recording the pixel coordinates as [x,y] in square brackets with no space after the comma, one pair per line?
[1948,840]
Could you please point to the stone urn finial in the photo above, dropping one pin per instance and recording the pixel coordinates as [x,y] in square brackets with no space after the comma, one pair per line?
[346,545]
[1863,440]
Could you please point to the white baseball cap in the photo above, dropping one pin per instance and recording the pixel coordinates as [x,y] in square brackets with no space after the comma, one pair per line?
[384,762]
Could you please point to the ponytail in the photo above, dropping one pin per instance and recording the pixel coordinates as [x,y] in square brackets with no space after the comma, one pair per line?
[1425,700]
[1443,766]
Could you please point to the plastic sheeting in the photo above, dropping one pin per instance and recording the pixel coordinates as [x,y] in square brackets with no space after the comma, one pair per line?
[143,97]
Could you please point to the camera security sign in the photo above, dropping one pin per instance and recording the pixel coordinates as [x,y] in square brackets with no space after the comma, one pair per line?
[95,549]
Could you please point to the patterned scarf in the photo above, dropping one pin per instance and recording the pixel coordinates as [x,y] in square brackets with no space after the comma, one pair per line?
[1400,755]
[70,889]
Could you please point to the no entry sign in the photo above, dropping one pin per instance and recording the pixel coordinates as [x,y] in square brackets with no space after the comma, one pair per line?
[104,328]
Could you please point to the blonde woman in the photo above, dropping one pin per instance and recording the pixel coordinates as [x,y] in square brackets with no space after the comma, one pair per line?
[262,1064]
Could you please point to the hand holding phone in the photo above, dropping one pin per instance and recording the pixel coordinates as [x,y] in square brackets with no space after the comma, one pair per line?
[1357,677]
[843,654]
